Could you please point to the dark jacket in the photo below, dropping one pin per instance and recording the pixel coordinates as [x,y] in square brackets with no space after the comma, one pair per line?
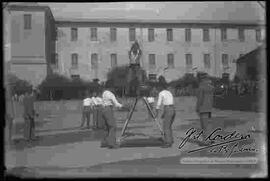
[28,103]
[205,97]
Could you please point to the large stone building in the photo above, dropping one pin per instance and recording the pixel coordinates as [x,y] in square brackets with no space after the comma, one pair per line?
[89,48]
[30,36]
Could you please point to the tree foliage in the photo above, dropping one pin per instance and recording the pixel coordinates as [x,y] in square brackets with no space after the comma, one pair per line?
[17,85]
[57,86]
[118,76]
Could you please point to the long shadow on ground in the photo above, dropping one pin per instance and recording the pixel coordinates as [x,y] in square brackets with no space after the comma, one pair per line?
[64,138]
[60,138]
[146,141]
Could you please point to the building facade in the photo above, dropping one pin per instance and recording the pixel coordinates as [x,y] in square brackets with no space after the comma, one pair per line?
[32,46]
[90,48]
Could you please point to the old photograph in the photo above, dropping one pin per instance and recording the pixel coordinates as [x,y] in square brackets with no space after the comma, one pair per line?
[135,89]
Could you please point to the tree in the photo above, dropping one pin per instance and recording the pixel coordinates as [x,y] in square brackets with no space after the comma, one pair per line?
[16,85]
[118,76]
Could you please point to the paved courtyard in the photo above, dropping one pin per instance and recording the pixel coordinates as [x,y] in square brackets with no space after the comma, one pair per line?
[63,149]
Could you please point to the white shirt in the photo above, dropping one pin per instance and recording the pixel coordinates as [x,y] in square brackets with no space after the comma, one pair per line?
[87,102]
[109,99]
[165,97]
[97,101]
[151,99]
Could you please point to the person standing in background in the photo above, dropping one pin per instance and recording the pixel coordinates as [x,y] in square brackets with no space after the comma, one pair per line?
[87,110]
[99,103]
[95,111]
[10,113]
[204,104]
[29,115]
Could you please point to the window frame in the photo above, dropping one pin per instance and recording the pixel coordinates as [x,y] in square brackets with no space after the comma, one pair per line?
[169,34]
[56,60]
[186,57]
[206,34]
[132,37]
[115,63]
[170,56]
[241,34]
[258,34]
[113,34]
[224,34]
[223,59]
[207,61]
[74,34]
[151,34]
[96,61]
[27,18]
[74,56]
[93,34]
[150,59]
[188,35]
[75,76]
[152,77]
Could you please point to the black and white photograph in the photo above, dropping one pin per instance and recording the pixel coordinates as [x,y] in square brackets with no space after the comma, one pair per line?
[135,89]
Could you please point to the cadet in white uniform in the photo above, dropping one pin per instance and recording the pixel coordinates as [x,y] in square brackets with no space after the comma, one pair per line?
[87,110]
[165,98]
[109,100]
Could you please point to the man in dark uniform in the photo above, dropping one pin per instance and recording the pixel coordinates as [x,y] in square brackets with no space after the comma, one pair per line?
[205,103]
[10,113]
[29,115]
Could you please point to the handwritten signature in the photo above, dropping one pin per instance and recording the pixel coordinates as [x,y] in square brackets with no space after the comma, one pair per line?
[223,141]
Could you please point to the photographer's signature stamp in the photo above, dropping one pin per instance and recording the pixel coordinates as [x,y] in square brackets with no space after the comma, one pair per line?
[226,144]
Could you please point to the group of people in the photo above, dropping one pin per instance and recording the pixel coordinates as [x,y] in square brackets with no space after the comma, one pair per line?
[29,114]
[101,104]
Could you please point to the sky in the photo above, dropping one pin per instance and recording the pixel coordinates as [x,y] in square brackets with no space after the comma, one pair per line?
[226,10]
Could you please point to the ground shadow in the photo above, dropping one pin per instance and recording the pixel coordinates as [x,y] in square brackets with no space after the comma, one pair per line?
[62,129]
[60,138]
[142,142]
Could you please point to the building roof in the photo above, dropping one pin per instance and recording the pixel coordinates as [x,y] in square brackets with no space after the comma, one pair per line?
[244,13]
[161,11]
[155,22]
[253,53]
[29,7]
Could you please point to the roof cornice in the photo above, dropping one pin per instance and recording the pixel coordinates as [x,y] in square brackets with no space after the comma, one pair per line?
[157,23]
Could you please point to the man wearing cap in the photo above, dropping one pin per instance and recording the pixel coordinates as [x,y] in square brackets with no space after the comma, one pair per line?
[109,100]
[29,114]
[205,103]
[165,98]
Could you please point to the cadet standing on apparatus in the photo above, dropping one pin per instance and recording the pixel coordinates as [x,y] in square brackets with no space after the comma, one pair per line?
[165,98]
[109,100]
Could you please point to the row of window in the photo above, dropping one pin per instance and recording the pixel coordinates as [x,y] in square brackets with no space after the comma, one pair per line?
[151,58]
[151,34]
